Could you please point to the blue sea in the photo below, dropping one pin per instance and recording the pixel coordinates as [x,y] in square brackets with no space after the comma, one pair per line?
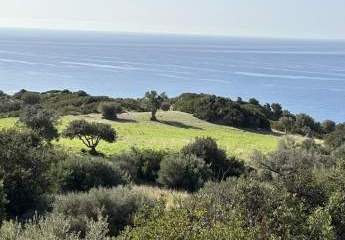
[303,75]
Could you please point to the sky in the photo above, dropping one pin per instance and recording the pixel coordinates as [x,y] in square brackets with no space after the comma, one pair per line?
[257,18]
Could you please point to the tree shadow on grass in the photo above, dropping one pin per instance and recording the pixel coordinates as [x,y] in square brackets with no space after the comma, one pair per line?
[123,120]
[180,125]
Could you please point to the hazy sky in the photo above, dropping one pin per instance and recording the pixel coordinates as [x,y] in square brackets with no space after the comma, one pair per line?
[268,18]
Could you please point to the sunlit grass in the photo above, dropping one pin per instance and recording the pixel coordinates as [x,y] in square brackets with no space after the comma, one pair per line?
[174,130]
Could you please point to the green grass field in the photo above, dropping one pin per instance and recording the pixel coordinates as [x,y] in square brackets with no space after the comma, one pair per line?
[174,130]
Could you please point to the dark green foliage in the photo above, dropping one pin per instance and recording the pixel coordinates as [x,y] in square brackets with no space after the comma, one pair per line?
[208,150]
[195,220]
[186,102]
[287,124]
[336,208]
[30,98]
[90,133]
[3,202]
[110,110]
[141,166]
[224,111]
[277,111]
[154,102]
[295,168]
[306,125]
[8,105]
[234,209]
[118,205]
[253,101]
[82,174]
[328,126]
[41,121]
[26,165]
[186,172]
[336,138]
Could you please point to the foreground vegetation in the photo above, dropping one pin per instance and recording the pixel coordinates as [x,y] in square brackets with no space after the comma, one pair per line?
[165,175]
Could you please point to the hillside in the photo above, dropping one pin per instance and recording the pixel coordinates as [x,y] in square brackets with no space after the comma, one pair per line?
[174,130]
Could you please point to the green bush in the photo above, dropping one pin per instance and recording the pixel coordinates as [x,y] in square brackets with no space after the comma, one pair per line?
[141,165]
[208,150]
[40,121]
[53,227]
[186,222]
[31,98]
[26,164]
[118,205]
[110,110]
[186,172]
[336,208]
[82,174]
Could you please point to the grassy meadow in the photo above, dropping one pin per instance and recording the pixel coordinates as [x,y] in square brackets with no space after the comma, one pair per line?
[174,130]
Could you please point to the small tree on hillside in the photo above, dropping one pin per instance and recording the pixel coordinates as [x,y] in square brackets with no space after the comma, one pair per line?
[41,121]
[90,133]
[155,102]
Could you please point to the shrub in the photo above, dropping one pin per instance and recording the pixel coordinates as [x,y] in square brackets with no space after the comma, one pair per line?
[185,172]
[26,163]
[118,205]
[82,174]
[141,165]
[328,126]
[53,227]
[336,208]
[271,209]
[295,169]
[336,138]
[110,110]
[30,98]
[40,121]
[186,222]
[208,150]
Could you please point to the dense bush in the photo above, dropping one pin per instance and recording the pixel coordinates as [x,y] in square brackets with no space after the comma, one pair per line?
[117,205]
[197,222]
[30,98]
[141,165]
[234,209]
[53,227]
[110,110]
[223,110]
[328,126]
[186,172]
[82,174]
[208,150]
[336,138]
[296,169]
[41,121]
[26,164]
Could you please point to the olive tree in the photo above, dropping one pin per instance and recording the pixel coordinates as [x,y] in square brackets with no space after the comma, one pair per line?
[90,133]
[155,102]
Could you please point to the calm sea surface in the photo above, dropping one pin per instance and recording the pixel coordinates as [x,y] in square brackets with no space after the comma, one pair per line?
[305,76]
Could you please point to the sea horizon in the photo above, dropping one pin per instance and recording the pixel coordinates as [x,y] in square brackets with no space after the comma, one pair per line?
[304,75]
